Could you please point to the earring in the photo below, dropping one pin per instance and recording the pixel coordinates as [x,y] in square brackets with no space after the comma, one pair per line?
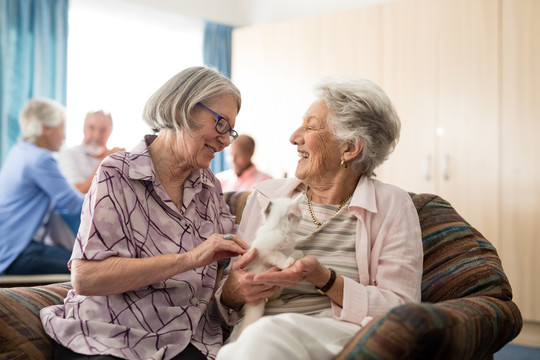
[344,164]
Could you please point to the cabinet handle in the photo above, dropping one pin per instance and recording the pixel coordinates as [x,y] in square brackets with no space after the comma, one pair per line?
[444,167]
[426,166]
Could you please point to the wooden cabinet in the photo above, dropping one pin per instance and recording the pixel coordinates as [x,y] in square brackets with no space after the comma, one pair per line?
[520,165]
[441,71]
[409,77]
[469,111]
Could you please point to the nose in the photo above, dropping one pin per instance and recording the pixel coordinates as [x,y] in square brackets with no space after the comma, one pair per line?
[225,139]
[295,137]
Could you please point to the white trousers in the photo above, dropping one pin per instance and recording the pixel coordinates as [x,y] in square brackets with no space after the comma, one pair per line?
[290,336]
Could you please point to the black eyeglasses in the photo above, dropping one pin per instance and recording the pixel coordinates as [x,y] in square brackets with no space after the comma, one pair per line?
[223,125]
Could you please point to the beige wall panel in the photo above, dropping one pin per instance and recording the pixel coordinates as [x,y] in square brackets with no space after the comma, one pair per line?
[275,67]
[350,44]
[469,111]
[410,76]
[520,169]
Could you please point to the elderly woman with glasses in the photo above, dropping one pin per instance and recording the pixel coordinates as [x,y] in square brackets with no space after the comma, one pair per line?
[153,228]
[360,237]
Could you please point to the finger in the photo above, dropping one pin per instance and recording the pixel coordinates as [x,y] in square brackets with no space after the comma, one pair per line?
[237,240]
[229,246]
[248,257]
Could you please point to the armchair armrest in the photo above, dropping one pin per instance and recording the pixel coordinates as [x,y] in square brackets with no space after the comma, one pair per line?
[465,328]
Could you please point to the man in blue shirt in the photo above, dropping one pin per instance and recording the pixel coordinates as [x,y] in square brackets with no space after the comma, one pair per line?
[31,190]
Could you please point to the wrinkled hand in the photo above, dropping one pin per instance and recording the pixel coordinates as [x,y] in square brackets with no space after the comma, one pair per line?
[241,287]
[307,268]
[112,151]
[217,247]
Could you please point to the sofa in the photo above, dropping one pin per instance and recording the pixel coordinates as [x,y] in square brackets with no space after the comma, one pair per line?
[466,310]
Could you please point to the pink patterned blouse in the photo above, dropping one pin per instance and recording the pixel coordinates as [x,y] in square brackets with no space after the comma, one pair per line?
[127,213]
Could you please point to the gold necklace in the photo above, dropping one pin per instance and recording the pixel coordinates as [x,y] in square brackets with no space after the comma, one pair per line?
[310,206]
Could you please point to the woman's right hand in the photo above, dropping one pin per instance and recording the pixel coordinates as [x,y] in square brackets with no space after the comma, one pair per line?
[240,286]
[216,247]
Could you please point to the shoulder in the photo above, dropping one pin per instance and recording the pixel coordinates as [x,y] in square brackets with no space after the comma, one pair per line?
[391,198]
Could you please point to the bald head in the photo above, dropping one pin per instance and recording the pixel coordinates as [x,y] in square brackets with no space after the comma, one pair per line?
[242,149]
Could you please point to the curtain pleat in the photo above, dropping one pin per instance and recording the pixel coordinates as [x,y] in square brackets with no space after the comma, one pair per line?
[217,49]
[33,44]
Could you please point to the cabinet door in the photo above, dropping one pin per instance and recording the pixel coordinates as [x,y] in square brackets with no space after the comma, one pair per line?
[275,68]
[469,111]
[409,58]
[350,44]
[520,165]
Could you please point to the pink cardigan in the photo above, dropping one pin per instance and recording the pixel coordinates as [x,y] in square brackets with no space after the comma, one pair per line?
[389,249]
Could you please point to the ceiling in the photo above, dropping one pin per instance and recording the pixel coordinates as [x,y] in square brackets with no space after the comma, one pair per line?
[252,12]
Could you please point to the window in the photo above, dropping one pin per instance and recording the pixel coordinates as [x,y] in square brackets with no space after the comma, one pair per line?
[119,53]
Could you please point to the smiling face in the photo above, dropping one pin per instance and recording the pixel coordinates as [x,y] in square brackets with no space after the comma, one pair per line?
[201,145]
[317,147]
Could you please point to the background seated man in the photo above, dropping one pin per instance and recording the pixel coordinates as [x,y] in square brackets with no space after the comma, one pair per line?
[33,195]
[244,173]
[79,163]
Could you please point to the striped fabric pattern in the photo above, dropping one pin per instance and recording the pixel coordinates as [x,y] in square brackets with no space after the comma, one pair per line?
[466,310]
[21,332]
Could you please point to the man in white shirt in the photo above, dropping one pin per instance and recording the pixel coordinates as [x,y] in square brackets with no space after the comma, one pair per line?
[80,163]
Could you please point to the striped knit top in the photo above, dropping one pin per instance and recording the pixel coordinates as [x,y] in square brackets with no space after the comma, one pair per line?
[333,244]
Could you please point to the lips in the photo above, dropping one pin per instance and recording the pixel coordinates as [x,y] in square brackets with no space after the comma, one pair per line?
[213,150]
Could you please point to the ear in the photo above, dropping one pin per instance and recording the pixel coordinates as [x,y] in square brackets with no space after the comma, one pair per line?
[45,130]
[351,150]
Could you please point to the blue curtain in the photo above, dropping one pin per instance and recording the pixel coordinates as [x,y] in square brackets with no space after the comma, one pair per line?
[217,53]
[33,63]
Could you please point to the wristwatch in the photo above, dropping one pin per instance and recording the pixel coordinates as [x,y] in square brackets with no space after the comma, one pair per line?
[323,290]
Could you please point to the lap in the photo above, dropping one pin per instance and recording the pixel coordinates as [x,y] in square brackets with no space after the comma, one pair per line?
[291,336]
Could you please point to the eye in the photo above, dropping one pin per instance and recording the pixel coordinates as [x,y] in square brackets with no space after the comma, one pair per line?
[222,126]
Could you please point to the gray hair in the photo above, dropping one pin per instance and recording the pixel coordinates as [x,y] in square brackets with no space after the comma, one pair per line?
[360,111]
[38,112]
[170,106]
[99,112]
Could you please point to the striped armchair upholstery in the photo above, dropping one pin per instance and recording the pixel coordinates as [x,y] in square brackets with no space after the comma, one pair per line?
[466,310]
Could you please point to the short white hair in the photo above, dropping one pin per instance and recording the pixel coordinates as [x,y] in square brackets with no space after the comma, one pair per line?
[38,112]
[360,111]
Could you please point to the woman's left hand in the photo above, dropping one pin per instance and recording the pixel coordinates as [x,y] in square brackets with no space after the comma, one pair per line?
[307,268]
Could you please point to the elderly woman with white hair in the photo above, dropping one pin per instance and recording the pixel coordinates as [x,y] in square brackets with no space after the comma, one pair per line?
[360,237]
[33,192]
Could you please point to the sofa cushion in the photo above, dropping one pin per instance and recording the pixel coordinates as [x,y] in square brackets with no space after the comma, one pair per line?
[236,201]
[21,332]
